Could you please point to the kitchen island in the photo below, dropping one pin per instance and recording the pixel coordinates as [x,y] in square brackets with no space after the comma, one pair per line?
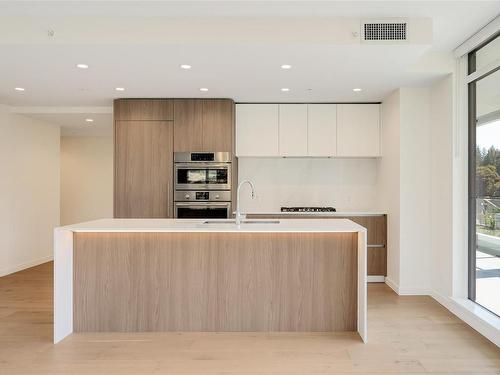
[136,275]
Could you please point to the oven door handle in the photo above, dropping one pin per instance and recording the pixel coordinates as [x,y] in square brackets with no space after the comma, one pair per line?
[202,166]
[202,204]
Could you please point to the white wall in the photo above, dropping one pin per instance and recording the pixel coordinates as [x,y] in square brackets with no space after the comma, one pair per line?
[86,179]
[388,191]
[415,169]
[29,190]
[346,184]
[441,215]
[405,186]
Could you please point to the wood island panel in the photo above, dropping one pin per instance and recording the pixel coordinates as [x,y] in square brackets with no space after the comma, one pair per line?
[134,282]
[376,228]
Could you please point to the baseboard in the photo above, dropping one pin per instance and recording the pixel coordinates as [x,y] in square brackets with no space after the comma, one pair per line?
[405,290]
[375,279]
[487,325]
[22,266]
[413,291]
[391,284]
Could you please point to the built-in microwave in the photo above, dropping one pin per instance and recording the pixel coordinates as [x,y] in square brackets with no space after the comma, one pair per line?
[202,183]
[202,171]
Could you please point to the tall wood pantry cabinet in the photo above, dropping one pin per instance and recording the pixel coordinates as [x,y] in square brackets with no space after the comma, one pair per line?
[143,158]
[147,132]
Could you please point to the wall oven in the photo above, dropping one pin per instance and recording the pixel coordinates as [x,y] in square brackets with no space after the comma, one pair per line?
[202,182]
[202,171]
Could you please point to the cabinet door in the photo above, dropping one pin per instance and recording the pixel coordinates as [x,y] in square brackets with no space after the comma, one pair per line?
[143,109]
[322,129]
[218,120]
[143,169]
[358,130]
[257,130]
[376,227]
[293,129]
[188,125]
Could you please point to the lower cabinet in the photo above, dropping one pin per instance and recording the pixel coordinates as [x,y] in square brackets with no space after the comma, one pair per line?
[376,228]
[143,169]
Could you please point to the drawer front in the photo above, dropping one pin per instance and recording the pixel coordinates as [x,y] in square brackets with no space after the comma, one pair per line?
[376,261]
[376,228]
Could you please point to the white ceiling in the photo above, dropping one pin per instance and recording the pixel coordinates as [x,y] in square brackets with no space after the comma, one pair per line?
[74,124]
[236,49]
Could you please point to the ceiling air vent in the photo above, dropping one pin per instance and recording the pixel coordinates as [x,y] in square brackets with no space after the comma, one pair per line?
[384,31]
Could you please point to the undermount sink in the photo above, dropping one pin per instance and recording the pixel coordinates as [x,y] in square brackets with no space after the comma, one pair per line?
[243,222]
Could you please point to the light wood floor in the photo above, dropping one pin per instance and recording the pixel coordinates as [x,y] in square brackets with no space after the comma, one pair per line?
[407,335]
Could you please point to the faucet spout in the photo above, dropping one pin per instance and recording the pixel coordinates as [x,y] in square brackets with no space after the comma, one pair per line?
[239,215]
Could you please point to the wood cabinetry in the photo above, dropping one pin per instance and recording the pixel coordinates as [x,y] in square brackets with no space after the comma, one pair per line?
[143,169]
[147,132]
[257,130]
[203,125]
[358,130]
[376,228]
[293,129]
[218,129]
[188,135]
[144,109]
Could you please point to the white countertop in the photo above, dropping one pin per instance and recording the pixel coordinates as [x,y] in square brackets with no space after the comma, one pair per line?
[197,225]
[333,214]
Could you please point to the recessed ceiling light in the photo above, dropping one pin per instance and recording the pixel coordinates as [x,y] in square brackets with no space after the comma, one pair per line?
[120,89]
[285,89]
[286,66]
[185,66]
[19,88]
[82,66]
[203,89]
[357,90]
[89,119]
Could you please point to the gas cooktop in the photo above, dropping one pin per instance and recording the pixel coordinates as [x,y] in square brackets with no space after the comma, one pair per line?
[308,209]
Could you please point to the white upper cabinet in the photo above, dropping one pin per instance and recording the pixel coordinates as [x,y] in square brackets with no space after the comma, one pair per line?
[257,130]
[358,130]
[293,129]
[308,130]
[322,130]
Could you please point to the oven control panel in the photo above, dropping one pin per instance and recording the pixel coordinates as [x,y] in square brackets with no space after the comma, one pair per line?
[200,196]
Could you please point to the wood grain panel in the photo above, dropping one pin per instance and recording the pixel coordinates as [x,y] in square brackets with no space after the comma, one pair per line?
[218,125]
[143,109]
[188,125]
[143,169]
[215,282]
[376,258]
[376,227]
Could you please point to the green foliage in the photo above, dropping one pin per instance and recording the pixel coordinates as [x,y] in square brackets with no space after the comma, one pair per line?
[488,172]
[489,221]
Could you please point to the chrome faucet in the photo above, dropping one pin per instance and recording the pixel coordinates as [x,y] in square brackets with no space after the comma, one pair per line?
[239,215]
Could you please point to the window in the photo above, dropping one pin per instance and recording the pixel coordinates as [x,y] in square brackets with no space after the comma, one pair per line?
[484,176]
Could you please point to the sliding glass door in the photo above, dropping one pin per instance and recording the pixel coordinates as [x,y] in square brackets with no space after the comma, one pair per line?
[484,176]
